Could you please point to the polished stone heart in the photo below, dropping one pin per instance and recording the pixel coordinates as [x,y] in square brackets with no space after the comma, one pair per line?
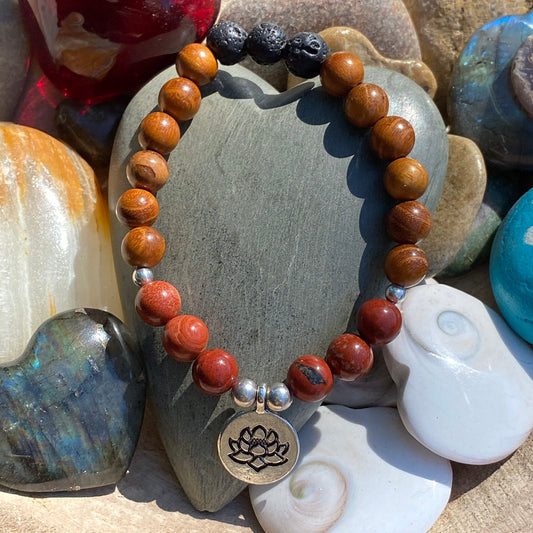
[71,407]
[273,217]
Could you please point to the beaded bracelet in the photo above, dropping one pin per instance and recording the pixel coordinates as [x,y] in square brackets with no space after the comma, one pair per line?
[259,446]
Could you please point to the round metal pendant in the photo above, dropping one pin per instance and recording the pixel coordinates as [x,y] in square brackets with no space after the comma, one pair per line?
[258,448]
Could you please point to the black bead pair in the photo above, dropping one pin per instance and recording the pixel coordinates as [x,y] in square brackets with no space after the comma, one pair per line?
[267,44]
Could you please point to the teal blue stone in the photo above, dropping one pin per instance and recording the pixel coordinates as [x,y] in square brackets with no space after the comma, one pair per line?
[71,407]
[482,105]
[511,271]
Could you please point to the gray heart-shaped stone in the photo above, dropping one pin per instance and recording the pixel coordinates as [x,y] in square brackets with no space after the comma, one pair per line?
[273,218]
[71,407]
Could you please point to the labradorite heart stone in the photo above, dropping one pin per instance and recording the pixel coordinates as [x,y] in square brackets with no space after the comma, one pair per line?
[71,406]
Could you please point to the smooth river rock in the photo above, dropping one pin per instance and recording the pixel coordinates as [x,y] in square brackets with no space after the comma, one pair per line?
[71,407]
[444,27]
[342,38]
[359,471]
[273,218]
[522,75]
[465,380]
[510,267]
[54,231]
[14,55]
[502,191]
[459,203]
[482,104]
[393,35]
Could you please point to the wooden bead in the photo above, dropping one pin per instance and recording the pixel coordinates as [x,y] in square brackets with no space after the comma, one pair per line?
[215,371]
[378,321]
[309,378]
[160,132]
[147,170]
[143,247]
[197,62]
[408,222]
[157,302]
[392,137]
[180,98]
[366,104]
[340,72]
[405,179]
[349,357]
[406,265]
[137,207]
[184,337]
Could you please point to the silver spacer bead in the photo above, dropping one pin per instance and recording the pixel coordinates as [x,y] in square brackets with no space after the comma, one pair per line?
[244,392]
[142,276]
[395,293]
[279,397]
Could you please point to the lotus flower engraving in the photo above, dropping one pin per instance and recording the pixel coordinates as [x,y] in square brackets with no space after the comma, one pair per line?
[258,448]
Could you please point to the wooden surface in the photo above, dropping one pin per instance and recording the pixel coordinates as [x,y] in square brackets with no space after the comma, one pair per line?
[485,499]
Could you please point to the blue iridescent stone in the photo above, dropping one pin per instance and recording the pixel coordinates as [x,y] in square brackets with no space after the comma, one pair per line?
[71,407]
[511,273]
[482,103]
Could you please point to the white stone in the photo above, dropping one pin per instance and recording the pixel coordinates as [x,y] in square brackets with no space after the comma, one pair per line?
[359,471]
[464,378]
[54,235]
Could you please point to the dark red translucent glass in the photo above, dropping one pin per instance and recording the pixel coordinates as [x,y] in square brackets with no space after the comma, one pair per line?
[95,49]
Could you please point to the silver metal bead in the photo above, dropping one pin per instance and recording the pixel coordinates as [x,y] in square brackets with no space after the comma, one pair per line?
[244,392]
[278,397]
[142,276]
[395,293]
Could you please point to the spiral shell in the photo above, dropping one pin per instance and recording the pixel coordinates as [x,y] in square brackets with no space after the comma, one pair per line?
[351,479]
[464,378]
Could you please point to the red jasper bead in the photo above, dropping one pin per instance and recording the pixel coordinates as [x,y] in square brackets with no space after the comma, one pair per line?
[184,337]
[309,378]
[157,302]
[378,321]
[215,371]
[349,357]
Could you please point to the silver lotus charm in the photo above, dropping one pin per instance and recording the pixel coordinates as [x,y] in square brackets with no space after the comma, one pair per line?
[258,447]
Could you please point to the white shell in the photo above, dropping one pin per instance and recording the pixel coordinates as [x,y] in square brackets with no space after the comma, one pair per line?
[464,378]
[54,235]
[359,471]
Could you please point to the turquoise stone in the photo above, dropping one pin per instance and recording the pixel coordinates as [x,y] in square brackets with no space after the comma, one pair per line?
[71,406]
[511,274]
[482,103]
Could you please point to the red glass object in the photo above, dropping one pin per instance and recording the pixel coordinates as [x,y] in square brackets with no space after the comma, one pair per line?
[157,302]
[309,378]
[349,357]
[215,371]
[378,321]
[184,337]
[95,50]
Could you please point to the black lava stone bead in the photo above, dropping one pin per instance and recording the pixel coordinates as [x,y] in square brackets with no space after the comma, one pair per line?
[304,54]
[265,43]
[227,42]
